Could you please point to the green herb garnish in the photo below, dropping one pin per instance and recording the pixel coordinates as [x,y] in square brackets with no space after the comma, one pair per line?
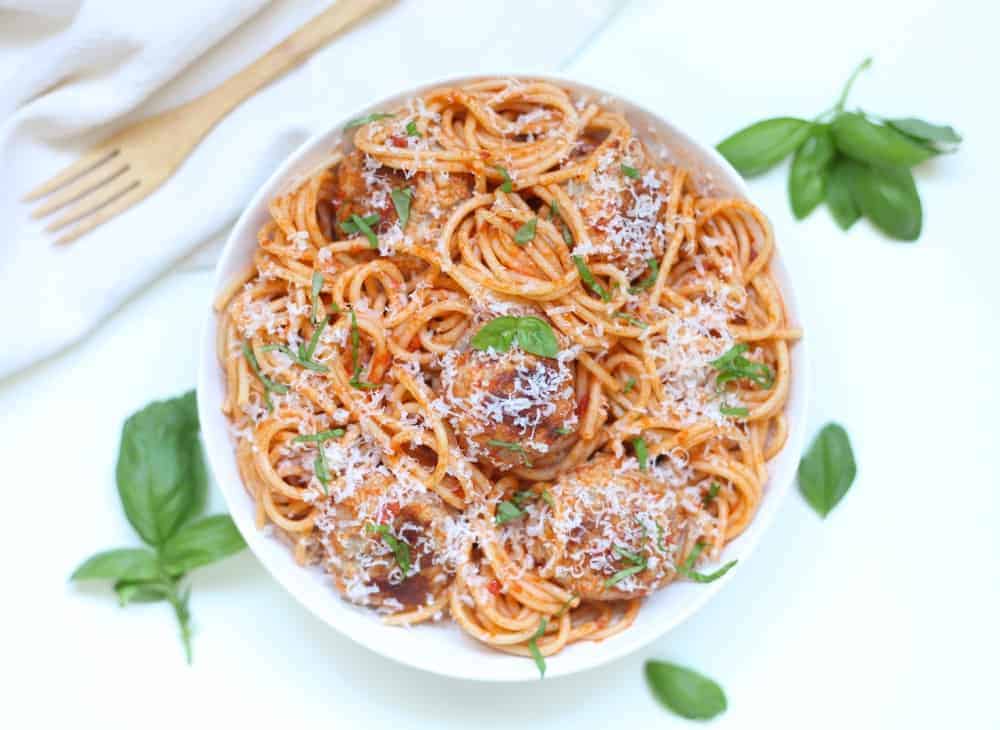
[531,334]
[314,296]
[401,200]
[320,465]
[588,278]
[713,492]
[526,233]
[356,381]
[630,172]
[269,385]
[162,484]
[554,211]
[685,691]
[629,384]
[733,366]
[641,452]
[828,469]
[631,320]
[400,549]
[639,564]
[533,646]
[686,567]
[563,431]
[508,185]
[306,352]
[506,512]
[738,411]
[411,129]
[357,224]
[367,119]
[649,279]
[297,357]
[859,163]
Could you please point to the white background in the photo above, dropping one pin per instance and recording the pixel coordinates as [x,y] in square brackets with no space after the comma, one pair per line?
[884,615]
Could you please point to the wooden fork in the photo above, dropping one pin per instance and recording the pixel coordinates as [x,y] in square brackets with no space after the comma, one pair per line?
[124,169]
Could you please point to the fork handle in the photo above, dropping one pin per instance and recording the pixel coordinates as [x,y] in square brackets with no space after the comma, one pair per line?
[212,106]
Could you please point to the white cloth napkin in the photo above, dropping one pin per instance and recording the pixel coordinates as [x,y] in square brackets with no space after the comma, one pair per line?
[71,72]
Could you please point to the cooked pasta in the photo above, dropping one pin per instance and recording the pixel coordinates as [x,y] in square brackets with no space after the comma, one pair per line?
[499,360]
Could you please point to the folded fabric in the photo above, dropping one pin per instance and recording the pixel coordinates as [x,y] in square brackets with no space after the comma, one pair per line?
[72,72]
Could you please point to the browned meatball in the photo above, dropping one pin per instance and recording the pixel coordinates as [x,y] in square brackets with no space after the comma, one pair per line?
[623,205]
[362,530]
[362,186]
[608,517]
[510,409]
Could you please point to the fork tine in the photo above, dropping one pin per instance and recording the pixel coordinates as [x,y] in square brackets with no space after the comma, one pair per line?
[90,161]
[92,203]
[130,197]
[87,183]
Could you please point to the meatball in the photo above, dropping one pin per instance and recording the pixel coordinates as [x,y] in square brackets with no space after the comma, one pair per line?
[614,530]
[623,204]
[362,186]
[388,544]
[510,409]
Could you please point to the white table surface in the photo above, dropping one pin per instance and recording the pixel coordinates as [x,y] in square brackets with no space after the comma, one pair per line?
[884,615]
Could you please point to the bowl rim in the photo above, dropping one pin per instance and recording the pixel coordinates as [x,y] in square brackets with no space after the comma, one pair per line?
[372,634]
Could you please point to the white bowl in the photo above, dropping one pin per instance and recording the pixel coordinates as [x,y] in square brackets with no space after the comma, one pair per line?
[443,648]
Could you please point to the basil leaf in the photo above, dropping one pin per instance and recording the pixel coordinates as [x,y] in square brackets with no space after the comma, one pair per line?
[863,140]
[761,146]
[641,453]
[533,647]
[685,691]
[532,335]
[400,548]
[360,122]
[629,384]
[526,233]
[934,134]
[140,592]
[713,492]
[161,474]
[508,185]
[132,564]
[630,172]
[623,574]
[363,226]
[202,542]
[317,288]
[507,512]
[401,201]
[807,179]
[888,198]
[411,129]
[587,276]
[827,470]
[535,336]
[649,279]
[738,411]
[839,198]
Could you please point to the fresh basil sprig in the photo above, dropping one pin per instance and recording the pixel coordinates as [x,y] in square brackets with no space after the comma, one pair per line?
[162,484]
[686,568]
[828,469]
[858,162]
[400,548]
[526,233]
[401,199]
[685,691]
[536,654]
[356,381]
[531,334]
[363,225]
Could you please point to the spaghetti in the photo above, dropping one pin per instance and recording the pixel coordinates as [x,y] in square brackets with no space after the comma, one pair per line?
[497,361]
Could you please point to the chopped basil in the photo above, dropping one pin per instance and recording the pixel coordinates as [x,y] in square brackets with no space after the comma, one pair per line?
[563,431]
[411,129]
[631,320]
[356,381]
[531,334]
[296,357]
[269,385]
[508,185]
[509,446]
[400,549]
[628,555]
[317,288]
[623,574]
[629,384]
[506,512]
[738,411]
[713,492]
[526,233]
[401,200]
[554,211]
[659,538]
[533,646]
[319,437]
[360,122]
[588,278]
[697,577]
[649,279]
[733,366]
[357,224]
[320,466]
[547,498]
[641,453]
[306,352]
[630,172]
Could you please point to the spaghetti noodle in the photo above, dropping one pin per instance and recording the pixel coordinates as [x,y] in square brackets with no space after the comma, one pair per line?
[497,361]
